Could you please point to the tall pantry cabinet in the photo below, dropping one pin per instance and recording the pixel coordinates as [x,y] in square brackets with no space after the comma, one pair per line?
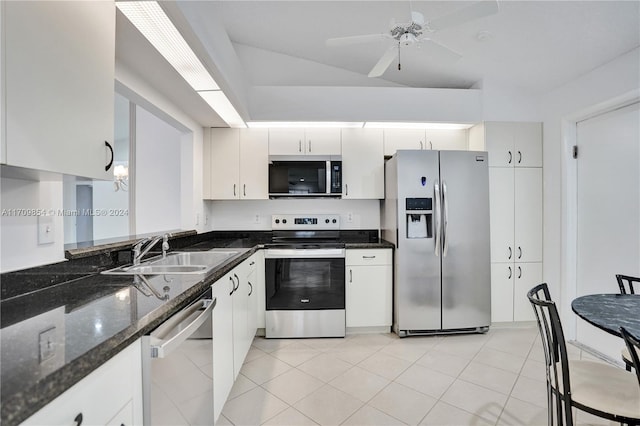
[515,180]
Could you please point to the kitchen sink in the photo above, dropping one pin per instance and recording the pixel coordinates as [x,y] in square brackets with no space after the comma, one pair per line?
[195,258]
[180,262]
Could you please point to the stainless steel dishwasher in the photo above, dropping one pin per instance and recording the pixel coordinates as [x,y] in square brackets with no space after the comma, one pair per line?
[177,367]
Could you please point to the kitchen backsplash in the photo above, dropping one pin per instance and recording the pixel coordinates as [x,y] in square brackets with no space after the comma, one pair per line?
[256,214]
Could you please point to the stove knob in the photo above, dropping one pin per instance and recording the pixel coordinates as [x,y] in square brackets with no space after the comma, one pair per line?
[326,221]
[334,221]
[277,220]
[284,220]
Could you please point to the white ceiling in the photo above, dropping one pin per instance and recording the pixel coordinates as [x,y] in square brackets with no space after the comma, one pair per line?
[534,46]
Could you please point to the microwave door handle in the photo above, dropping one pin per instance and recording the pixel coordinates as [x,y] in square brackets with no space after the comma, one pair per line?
[160,347]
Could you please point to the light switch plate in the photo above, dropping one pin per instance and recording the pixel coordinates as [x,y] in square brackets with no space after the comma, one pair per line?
[47,343]
[45,230]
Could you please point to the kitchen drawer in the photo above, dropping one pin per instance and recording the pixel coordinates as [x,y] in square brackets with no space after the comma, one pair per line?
[368,257]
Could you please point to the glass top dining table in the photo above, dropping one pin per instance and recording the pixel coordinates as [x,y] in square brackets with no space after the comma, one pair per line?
[609,312]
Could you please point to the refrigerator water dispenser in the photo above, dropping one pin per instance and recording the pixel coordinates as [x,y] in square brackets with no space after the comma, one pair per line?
[419,218]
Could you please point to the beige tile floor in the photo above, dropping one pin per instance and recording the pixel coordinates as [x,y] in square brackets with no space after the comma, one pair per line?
[378,379]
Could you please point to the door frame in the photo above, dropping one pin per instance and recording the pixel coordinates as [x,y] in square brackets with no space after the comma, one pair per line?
[569,172]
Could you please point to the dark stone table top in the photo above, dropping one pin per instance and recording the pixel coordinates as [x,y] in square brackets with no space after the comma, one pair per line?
[609,312]
[96,316]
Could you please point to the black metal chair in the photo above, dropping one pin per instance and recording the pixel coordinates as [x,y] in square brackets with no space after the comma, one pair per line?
[626,282]
[633,344]
[597,388]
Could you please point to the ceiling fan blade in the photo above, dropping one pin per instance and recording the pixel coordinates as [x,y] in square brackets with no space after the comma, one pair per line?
[346,41]
[384,62]
[474,11]
[441,52]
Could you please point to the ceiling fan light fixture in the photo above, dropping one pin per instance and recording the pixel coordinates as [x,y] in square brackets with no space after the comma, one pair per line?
[408,39]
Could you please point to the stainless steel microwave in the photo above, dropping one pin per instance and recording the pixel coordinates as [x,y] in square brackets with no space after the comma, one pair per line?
[304,178]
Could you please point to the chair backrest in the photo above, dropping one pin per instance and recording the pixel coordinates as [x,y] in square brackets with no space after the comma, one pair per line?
[555,349]
[625,282]
[633,344]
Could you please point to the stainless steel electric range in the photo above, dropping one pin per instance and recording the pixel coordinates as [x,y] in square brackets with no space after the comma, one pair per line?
[305,277]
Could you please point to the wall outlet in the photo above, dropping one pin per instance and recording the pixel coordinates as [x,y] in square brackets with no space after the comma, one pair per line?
[45,230]
[349,217]
[256,218]
[47,343]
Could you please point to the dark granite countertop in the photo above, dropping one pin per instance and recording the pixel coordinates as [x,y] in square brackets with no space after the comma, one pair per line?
[96,316]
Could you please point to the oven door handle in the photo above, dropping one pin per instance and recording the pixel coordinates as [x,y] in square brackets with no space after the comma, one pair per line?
[169,335]
[304,253]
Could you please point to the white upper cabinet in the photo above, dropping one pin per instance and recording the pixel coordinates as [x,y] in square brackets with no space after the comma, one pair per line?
[58,65]
[304,142]
[395,139]
[236,164]
[443,139]
[513,144]
[362,164]
[439,139]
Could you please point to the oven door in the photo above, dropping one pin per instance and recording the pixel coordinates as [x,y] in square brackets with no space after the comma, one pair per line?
[305,293]
[304,279]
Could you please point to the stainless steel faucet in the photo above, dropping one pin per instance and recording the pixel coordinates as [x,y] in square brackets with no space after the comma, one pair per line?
[139,252]
[165,245]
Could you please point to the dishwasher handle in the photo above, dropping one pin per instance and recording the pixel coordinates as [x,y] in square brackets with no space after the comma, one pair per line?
[161,345]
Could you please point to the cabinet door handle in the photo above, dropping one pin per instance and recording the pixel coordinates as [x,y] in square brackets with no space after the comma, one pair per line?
[519,157]
[368,257]
[519,252]
[244,189]
[430,145]
[110,163]
[519,272]
[237,281]
[510,272]
[78,419]
[252,263]
[234,189]
[510,157]
[350,275]
[510,253]
[421,145]
[233,286]
[251,287]
[346,189]
[300,146]
[309,145]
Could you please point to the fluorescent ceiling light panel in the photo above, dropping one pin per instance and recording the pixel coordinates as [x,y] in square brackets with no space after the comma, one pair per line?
[221,105]
[149,18]
[398,125]
[302,124]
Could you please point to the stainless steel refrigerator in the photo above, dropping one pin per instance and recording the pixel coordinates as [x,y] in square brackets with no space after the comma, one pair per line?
[436,212]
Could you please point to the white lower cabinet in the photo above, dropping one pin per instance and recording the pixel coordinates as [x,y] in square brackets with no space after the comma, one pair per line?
[368,289]
[233,328]
[510,283]
[223,375]
[109,395]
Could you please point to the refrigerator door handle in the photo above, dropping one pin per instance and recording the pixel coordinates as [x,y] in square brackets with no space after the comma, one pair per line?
[445,225]
[436,195]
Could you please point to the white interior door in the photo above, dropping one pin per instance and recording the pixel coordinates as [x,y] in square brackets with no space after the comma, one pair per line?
[608,211]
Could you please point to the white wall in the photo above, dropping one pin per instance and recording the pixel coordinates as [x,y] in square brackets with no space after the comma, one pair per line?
[19,242]
[240,215]
[158,188]
[605,87]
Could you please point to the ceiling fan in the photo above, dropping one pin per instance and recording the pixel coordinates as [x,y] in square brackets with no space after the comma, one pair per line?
[418,31]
